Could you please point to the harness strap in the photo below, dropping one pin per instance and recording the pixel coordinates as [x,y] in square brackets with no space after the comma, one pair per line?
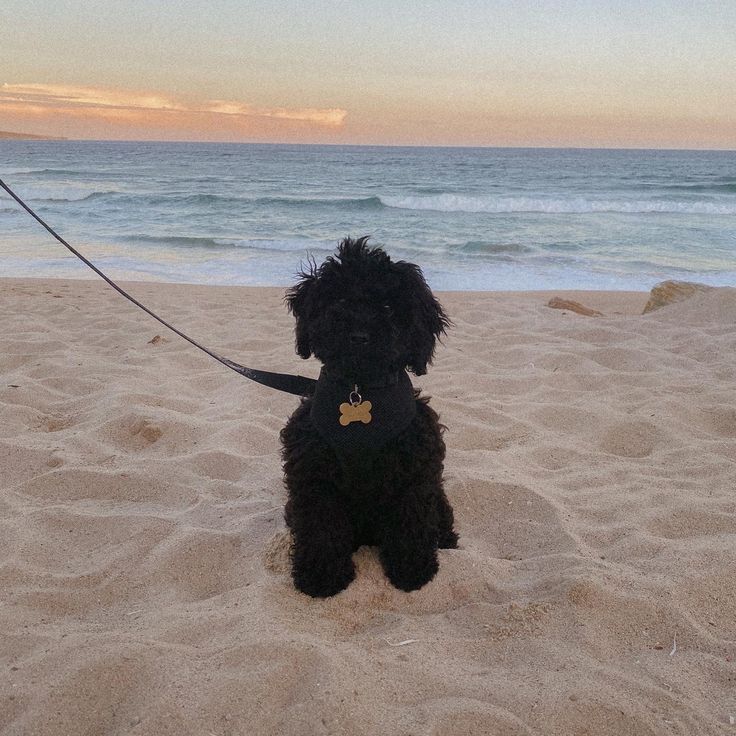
[299,385]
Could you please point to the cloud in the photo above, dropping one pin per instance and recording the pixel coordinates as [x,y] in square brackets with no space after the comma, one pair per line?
[53,94]
[148,107]
[329,116]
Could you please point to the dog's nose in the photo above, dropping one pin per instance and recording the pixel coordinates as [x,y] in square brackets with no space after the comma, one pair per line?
[358,338]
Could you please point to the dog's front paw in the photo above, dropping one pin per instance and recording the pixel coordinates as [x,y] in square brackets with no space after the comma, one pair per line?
[410,574]
[323,581]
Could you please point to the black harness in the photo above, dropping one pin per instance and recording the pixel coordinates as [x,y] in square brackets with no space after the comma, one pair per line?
[357,418]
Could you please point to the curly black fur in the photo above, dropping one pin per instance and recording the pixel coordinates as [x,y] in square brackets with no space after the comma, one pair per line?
[365,316]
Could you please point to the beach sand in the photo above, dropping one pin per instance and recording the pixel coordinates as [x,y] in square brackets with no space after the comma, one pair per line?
[144,583]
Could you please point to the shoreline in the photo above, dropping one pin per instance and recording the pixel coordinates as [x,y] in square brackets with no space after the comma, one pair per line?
[613,302]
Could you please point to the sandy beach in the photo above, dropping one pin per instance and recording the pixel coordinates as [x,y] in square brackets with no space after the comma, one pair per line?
[144,583]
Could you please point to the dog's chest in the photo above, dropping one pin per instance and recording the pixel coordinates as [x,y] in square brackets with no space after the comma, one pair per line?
[357,421]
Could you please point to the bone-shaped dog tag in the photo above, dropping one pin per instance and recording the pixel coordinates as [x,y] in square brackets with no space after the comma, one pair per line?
[355,413]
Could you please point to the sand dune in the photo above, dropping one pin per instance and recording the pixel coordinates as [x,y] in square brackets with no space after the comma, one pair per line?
[143,558]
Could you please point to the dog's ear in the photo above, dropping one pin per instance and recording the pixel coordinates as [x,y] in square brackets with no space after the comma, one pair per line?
[428,319]
[298,300]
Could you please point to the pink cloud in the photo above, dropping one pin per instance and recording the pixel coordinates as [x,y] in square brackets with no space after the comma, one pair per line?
[155,110]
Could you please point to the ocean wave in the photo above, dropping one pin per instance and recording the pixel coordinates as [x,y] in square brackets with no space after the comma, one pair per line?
[85,198]
[504,205]
[29,172]
[435,202]
[178,240]
[728,187]
[87,174]
[480,247]
[187,199]
[339,202]
[144,200]
[215,200]
[186,241]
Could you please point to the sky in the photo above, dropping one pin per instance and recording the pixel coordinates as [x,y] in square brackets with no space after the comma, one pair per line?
[563,73]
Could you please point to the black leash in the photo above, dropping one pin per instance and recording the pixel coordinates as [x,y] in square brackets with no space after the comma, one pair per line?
[298,385]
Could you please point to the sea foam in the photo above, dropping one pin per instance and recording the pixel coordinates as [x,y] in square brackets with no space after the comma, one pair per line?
[504,205]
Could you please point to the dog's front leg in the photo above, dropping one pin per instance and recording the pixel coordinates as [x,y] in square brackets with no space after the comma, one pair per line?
[409,539]
[322,548]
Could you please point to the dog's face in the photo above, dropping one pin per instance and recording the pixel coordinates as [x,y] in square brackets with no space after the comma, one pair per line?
[360,311]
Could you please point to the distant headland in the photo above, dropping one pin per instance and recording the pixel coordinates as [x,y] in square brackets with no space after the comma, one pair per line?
[4,134]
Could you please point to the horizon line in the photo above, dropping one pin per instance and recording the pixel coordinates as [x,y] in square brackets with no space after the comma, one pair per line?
[31,137]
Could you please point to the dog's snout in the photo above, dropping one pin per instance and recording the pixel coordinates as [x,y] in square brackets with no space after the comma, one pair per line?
[359,337]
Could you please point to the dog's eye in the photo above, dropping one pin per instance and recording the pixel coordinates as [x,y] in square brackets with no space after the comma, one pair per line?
[388,310]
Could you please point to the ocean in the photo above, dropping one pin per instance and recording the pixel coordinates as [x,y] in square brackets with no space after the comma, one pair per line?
[480,218]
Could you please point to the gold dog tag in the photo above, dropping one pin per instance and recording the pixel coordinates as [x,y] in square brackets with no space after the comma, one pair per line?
[355,409]
[355,413]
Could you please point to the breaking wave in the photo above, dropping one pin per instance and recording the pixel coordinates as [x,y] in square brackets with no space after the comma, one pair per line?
[503,205]
[436,203]
[183,241]
[218,200]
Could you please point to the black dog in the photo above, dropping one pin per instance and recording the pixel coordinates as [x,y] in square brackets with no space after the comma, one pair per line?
[363,456]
